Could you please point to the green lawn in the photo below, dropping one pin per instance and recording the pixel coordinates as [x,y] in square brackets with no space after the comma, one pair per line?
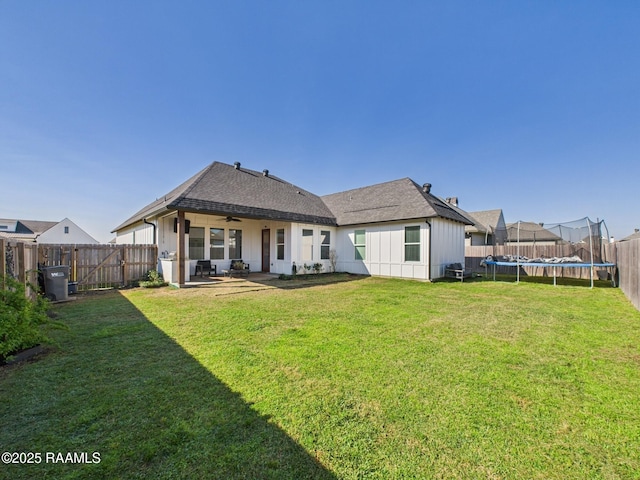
[367,378]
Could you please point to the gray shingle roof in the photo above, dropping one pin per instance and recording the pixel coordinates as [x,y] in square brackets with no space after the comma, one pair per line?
[36,226]
[27,226]
[485,221]
[25,230]
[635,235]
[400,199]
[529,232]
[222,189]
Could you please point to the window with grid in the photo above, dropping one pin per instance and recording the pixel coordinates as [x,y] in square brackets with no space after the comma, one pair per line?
[412,244]
[216,243]
[280,244]
[325,244]
[196,243]
[307,245]
[359,242]
[235,244]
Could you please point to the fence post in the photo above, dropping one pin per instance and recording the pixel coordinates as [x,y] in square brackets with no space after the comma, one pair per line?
[21,267]
[73,266]
[124,265]
[3,263]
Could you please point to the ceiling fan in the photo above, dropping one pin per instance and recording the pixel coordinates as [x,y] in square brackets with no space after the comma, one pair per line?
[229,218]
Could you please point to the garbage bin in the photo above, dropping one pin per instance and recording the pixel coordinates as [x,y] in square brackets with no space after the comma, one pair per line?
[56,282]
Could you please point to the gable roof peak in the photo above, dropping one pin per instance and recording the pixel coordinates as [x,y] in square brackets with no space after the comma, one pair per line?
[401,199]
[223,189]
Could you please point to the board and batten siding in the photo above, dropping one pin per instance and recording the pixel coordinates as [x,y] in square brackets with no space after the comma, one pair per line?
[167,242]
[66,232]
[137,234]
[384,250]
[299,255]
[447,238]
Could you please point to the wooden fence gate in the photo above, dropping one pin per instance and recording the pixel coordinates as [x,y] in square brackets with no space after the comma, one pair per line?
[101,266]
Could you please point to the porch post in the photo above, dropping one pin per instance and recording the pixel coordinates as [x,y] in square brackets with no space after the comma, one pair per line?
[181,248]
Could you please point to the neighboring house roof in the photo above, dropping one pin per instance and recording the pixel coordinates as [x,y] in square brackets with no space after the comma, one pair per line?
[486,221]
[400,199]
[24,229]
[633,236]
[37,226]
[229,190]
[8,225]
[64,231]
[530,232]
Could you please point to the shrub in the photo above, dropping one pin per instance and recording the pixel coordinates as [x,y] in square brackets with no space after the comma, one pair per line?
[20,319]
[153,280]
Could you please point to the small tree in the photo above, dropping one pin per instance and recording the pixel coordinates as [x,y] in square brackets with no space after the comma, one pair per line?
[333,260]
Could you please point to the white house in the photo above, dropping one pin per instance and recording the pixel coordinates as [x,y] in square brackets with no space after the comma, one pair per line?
[63,232]
[227,212]
[489,228]
[531,233]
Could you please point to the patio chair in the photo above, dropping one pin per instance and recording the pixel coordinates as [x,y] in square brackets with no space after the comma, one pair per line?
[205,266]
[238,267]
[457,271]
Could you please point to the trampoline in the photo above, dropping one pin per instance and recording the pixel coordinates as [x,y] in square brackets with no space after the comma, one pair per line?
[554,266]
[580,239]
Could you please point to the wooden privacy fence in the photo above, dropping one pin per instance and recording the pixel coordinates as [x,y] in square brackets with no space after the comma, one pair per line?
[629,269]
[475,254]
[19,260]
[101,266]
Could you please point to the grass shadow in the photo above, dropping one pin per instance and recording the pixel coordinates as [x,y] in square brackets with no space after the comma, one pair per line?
[118,386]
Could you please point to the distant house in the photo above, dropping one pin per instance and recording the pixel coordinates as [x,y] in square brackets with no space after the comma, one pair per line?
[227,212]
[529,233]
[62,232]
[488,226]
[405,230]
[635,235]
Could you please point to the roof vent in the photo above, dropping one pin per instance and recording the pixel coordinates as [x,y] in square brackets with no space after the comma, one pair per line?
[426,188]
[265,172]
[236,165]
[452,201]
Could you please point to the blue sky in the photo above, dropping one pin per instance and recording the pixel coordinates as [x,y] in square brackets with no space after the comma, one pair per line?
[528,106]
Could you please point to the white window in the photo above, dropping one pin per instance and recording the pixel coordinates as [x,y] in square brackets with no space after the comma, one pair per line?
[359,242]
[216,243]
[325,244]
[412,244]
[307,245]
[235,244]
[280,244]
[196,243]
